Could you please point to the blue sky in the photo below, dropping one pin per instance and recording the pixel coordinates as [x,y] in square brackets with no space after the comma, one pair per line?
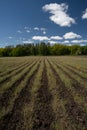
[54,21]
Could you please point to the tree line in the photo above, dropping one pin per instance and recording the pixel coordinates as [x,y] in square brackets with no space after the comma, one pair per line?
[43,49]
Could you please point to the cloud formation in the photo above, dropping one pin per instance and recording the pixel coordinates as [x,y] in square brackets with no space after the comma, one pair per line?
[56,38]
[84,16]
[40,38]
[66,41]
[36,28]
[28,31]
[59,14]
[53,42]
[27,41]
[79,41]
[71,35]
[44,32]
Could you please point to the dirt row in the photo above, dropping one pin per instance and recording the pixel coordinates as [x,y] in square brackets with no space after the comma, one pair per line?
[5,97]
[77,86]
[74,72]
[17,72]
[75,114]
[14,120]
[13,69]
[43,115]
[83,71]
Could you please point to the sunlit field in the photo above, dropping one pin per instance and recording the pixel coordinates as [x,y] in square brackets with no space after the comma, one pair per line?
[43,93]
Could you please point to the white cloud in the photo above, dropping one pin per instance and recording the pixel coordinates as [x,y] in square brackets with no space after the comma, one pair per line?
[66,41]
[28,31]
[52,42]
[44,32]
[19,31]
[27,41]
[42,29]
[79,41]
[84,16]
[71,35]
[56,38]
[40,38]
[36,28]
[59,14]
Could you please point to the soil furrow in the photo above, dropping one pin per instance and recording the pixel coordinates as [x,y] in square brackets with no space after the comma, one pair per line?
[83,71]
[76,115]
[74,72]
[4,99]
[79,89]
[42,112]
[14,120]
[10,76]
[10,71]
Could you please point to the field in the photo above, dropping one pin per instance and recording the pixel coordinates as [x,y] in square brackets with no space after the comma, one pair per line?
[43,93]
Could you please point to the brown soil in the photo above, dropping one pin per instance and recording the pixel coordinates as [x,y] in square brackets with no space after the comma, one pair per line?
[4,99]
[83,71]
[42,113]
[10,71]
[14,120]
[78,87]
[74,72]
[75,114]
[9,77]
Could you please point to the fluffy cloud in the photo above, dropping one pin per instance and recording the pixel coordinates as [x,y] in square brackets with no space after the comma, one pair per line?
[66,41]
[52,42]
[28,31]
[27,41]
[36,28]
[42,29]
[71,35]
[44,32]
[56,38]
[79,41]
[50,39]
[84,16]
[40,38]
[59,14]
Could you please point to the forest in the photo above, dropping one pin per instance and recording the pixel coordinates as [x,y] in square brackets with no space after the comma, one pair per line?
[43,49]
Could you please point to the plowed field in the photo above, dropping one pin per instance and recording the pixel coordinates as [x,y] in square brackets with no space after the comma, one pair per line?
[43,93]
